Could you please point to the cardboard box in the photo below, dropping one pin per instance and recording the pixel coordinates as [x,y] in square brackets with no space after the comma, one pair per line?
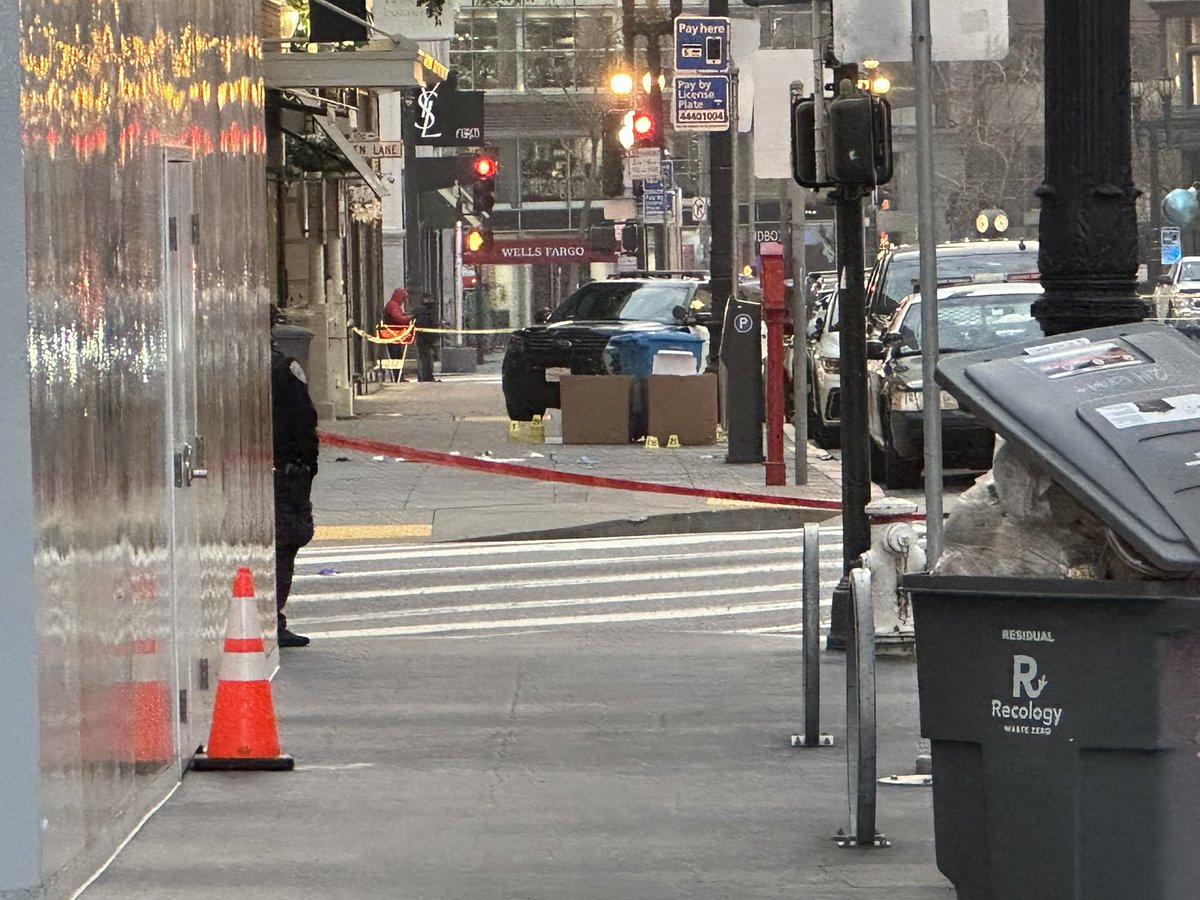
[683,405]
[595,408]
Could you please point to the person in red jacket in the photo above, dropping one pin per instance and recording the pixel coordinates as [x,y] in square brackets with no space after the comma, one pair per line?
[396,316]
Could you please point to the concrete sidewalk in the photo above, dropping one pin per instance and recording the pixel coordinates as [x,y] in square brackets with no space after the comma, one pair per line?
[640,763]
[465,415]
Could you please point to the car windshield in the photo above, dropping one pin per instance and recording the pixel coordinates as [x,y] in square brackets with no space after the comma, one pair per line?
[628,301]
[904,273]
[972,323]
[1189,271]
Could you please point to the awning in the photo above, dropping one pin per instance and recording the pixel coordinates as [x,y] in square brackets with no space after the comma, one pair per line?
[361,165]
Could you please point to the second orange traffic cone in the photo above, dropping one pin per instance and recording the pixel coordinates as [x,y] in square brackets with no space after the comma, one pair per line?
[243,733]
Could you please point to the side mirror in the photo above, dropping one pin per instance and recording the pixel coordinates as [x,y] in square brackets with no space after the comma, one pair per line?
[542,316]
[892,339]
[1164,279]
[875,349]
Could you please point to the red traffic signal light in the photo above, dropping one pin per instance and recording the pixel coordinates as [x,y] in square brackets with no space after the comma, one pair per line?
[644,126]
[484,166]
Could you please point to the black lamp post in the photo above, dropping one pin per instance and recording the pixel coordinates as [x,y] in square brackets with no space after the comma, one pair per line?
[1088,228]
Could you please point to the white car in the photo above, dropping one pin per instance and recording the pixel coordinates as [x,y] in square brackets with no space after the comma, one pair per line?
[1177,295]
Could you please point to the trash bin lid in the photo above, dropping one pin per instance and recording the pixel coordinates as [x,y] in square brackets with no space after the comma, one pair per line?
[1114,414]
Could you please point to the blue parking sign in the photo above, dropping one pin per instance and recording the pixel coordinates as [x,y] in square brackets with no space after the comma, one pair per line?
[701,44]
[1172,251]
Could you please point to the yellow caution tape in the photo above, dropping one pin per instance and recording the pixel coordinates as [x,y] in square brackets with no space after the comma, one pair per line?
[375,339]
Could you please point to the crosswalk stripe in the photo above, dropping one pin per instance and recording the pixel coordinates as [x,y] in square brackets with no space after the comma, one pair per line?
[556,621]
[375,553]
[597,562]
[508,605]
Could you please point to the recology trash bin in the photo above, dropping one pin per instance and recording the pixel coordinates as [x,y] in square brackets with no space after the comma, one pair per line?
[1064,722]
[1064,714]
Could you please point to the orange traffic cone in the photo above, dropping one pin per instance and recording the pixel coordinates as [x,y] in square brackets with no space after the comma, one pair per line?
[243,734]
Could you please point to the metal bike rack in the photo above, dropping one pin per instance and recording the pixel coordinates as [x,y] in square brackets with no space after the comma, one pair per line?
[811,612]
[860,718]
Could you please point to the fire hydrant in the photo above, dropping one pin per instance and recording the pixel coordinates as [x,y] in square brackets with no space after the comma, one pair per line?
[894,552]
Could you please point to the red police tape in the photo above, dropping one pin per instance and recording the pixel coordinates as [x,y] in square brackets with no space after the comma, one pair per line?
[494,467]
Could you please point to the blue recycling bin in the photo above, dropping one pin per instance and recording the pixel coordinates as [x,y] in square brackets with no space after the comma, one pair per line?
[633,353]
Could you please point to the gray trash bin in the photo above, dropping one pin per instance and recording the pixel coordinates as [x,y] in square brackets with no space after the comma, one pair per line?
[1064,721]
[293,341]
[1064,715]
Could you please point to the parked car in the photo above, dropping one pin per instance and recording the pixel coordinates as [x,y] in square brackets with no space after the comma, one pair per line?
[1177,295]
[574,336]
[972,317]
[896,275]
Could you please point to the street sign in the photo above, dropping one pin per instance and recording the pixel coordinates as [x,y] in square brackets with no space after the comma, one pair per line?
[658,196]
[1172,251]
[379,149]
[699,209]
[743,323]
[702,44]
[701,103]
[646,164]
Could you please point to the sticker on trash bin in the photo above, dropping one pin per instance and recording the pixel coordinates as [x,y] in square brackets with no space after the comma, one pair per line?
[1023,714]
[1084,358]
[1156,411]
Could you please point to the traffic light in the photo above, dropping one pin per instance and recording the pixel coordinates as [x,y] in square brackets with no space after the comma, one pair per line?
[645,128]
[478,240]
[483,183]
[804,144]
[612,154]
[885,201]
[860,127]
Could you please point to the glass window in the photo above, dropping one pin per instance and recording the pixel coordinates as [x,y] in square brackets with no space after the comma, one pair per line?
[973,323]
[611,301]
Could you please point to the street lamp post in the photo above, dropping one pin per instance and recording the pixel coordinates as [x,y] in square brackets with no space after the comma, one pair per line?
[1088,225]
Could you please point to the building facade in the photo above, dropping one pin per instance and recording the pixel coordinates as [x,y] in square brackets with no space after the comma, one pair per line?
[136,403]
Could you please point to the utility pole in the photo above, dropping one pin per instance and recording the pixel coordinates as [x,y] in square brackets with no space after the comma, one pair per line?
[1088,228]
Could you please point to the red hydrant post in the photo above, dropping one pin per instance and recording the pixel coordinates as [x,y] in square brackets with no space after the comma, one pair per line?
[771,279]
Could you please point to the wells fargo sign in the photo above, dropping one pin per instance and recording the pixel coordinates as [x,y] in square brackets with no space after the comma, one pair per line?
[536,251]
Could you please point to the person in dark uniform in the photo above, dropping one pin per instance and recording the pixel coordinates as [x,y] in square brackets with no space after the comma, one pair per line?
[296,443]
[427,342]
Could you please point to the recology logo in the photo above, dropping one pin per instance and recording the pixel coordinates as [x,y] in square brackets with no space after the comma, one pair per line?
[1028,717]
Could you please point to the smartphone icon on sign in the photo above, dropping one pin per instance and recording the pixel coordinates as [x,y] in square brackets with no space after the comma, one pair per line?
[712,51]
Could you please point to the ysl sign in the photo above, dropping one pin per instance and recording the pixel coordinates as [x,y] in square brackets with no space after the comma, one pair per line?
[446,117]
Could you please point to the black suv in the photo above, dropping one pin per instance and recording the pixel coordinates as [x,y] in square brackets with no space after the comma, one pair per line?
[573,338]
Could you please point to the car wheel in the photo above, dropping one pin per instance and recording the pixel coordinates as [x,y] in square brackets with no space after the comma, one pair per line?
[899,473]
[523,409]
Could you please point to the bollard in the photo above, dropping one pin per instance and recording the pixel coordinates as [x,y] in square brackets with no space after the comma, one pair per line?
[860,718]
[894,552]
[811,614]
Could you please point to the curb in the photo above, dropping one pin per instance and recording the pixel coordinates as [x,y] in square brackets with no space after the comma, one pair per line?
[675,523]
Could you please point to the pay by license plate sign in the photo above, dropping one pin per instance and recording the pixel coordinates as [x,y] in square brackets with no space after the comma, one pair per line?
[701,102]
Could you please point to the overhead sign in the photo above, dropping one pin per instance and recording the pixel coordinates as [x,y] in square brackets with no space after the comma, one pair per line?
[536,251]
[701,44]
[379,149]
[701,103]
[882,29]
[1172,251]
[445,117]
